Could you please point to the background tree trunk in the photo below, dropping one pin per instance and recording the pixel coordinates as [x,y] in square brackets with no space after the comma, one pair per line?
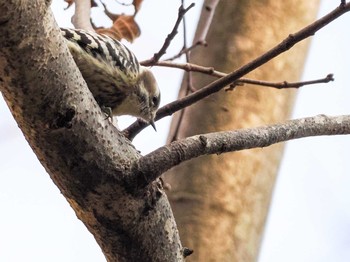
[221,202]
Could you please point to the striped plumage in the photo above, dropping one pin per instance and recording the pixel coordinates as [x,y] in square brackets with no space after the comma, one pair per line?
[113,74]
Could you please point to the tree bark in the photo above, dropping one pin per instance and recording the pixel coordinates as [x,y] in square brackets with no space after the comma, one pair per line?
[220,202]
[85,155]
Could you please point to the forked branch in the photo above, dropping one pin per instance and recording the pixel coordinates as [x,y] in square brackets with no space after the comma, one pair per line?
[207,15]
[170,37]
[219,84]
[190,67]
[151,166]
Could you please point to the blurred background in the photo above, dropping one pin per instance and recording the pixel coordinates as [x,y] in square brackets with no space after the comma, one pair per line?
[309,218]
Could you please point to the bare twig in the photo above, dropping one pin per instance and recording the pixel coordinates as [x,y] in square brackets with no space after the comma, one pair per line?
[219,84]
[243,81]
[170,37]
[166,157]
[207,14]
[189,78]
[108,13]
[189,67]
[281,85]
[81,17]
[183,51]
[189,87]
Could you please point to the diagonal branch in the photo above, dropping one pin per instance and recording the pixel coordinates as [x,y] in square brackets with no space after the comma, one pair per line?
[81,17]
[170,37]
[207,15]
[189,87]
[166,157]
[219,84]
[183,51]
[60,121]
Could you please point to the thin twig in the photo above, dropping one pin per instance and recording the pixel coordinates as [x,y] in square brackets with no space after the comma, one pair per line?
[189,78]
[219,84]
[184,51]
[189,86]
[207,15]
[170,37]
[281,85]
[190,67]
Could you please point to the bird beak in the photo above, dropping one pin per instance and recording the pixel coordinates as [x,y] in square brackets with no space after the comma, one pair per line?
[153,125]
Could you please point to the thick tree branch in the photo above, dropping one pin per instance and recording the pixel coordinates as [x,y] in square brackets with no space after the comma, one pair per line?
[166,157]
[81,17]
[207,14]
[84,154]
[219,84]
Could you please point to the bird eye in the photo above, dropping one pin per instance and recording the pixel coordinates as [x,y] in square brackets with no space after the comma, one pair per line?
[155,101]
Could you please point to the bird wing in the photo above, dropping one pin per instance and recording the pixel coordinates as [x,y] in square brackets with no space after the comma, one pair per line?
[107,50]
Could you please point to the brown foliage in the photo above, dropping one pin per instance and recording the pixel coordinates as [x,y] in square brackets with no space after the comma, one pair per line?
[137,4]
[124,27]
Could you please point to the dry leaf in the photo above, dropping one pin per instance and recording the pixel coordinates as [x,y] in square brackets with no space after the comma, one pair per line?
[124,27]
[137,4]
[69,2]
[111,32]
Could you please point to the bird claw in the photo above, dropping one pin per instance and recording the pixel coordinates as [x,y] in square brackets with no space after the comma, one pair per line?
[108,112]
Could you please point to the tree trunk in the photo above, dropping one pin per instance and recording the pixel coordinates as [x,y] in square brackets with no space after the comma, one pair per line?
[221,202]
[85,155]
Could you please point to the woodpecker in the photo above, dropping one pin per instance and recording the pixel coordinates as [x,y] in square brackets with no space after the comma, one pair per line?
[120,85]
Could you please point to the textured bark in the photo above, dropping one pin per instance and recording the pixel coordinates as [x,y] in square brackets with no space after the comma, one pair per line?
[84,154]
[220,202]
[168,156]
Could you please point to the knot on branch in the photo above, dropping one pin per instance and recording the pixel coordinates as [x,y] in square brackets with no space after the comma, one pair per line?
[329,77]
[203,140]
[63,120]
[187,252]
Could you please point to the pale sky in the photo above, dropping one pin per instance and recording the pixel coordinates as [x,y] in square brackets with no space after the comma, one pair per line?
[310,215]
